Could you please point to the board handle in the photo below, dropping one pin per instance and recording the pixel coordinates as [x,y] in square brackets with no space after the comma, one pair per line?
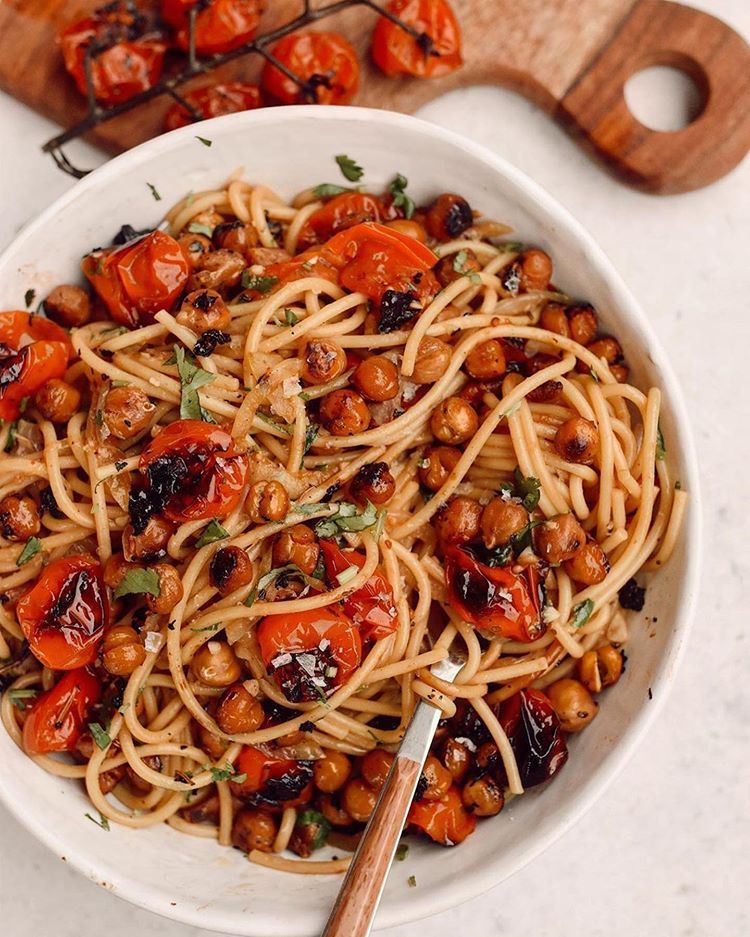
[658,32]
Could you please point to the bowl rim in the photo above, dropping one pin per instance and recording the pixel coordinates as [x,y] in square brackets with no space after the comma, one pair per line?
[627,308]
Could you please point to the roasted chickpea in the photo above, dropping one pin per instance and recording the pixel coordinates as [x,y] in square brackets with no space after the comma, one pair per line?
[235,236]
[238,711]
[215,664]
[214,745]
[331,771]
[376,378]
[501,520]
[297,545]
[409,227]
[454,421]
[458,521]
[373,482]
[194,246]
[577,440]
[115,568]
[205,811]
[488,758]
[267,501]
[448,216]
[230,569]
[137,783]
[170,589]
[344,413]
[456,758]
[454,266]
[359,800]
[202,310]
[554,319]
[127,411]
[600,668]
[19,518]
[559,538]
[322,361]
[149,545]
[531,270]
[217,270]
[254,829]
[433,357]
[574,705]
[483,796]
[437,779]
[619,372]
[333,811]
[265,256]
[608,348]
[589,565]
[69,306]
[375,767]
[583,324]
[122,651]
[486,361]
[436,465]
[57,400]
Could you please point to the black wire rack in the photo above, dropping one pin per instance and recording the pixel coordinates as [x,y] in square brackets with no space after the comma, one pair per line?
[197,65]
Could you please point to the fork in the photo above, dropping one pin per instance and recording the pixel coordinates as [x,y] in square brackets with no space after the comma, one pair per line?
[362,888]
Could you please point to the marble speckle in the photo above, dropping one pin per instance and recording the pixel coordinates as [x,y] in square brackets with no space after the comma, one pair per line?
[667,850]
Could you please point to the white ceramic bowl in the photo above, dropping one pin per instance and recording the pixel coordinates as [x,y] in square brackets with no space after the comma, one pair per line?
[193,880]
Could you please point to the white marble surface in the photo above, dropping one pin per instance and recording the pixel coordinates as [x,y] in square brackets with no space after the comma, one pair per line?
[667,850]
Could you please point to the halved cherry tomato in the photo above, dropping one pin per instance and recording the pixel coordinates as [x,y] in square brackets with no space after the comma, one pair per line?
[534,733]
[214,101]
[494,599]
[437,51]
[63,616]
[371,607]
[271,781]
[139,278]
[56,719]
[220,25]
[194,470]
[18,329]
[24,372]
[127,54]
[326,63]
[342,211]
[445,821]
[309,653]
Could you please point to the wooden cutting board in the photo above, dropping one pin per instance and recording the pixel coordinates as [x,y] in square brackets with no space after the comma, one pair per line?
[570,57]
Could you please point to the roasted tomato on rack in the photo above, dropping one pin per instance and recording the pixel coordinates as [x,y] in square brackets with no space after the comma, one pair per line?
[340,212]
[445,821]
[138,279]
[435,51]
[534,732]
[325,64]
[63,616]
[272,781]
[309,653]
[493,598]
[125,51]
[220,25]
[57,718]
[371,607]
[191,472]
[33,351]
[213,101]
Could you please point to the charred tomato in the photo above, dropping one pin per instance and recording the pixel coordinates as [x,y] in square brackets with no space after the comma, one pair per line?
[213,101]
[325,64]
[371,607]
[445,821]
[271,781]
[220,25]
[33,350]
[536,738]
[56,719]
[437,49]
[63,616]
[340,212]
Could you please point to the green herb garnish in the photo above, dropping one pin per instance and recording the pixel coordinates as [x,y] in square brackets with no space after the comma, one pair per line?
[28,297]
[320,827]
[100,735]
[581,613]
[154,192]
[204,141]
[139,582]
[402,851]
[261,285]
[225,774]
[349,168]
[195,227]
[329,189]
[661,449]
[18,696]
[347,517]
[397,188]
[290,317]
[103,822]
[191,378]
[459,266]
[211,533]
[30,550]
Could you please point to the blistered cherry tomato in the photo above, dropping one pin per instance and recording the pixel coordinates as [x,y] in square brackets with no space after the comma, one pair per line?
[536,738]
[310,652]
[220,25]
[445,821]
[138,279]
[371,607]
[126,53]
[495,600]
[342,211]
[325,63]
[19,329]
[56,719]
[214,101]
[194,469]
[63,616]
[33,351]
[271,781]
[437,51]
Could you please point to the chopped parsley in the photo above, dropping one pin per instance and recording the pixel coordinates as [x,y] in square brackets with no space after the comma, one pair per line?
[311,434]
[459,266]
[225,774]
[154,192]
[204,141]
[290,317]
[99,418]
[28,297]
[195,227]
[261,285]
[525,489]
[581,613]
[329,189]
[191,378]
[349,168]
[11,440]
[214,627]
[211,533]
[401,200]
[348,517]
[103,822]
[100,735]
[30,550]
[661,449]
[272,575]
[138,582]
[18,696]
